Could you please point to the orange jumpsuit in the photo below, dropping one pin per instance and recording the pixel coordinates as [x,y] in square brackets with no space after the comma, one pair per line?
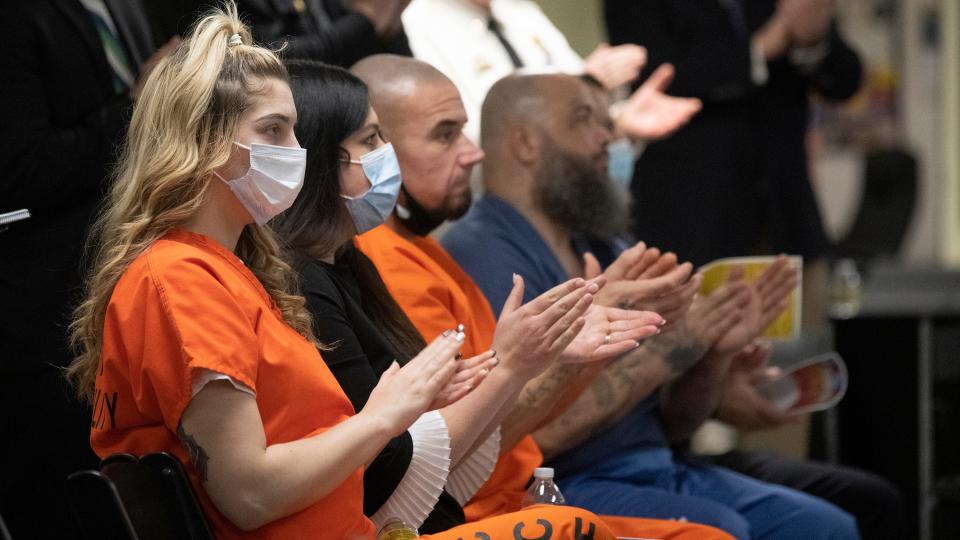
[187,304]
[436,294]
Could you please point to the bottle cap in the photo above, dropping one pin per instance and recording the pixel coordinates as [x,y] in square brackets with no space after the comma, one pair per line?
[543,472]
[397,529]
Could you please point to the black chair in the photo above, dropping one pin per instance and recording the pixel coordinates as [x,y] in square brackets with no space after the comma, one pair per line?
[97,507]
[886,207]
[153,496]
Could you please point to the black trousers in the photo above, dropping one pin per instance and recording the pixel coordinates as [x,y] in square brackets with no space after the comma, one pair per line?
[875,502]
[44,436]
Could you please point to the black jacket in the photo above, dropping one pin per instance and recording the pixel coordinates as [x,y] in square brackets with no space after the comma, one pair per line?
[734,181]
[324,31]
[62,121]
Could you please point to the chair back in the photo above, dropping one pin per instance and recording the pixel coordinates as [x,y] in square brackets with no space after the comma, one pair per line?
[97,508]
[147,498]
[158,496]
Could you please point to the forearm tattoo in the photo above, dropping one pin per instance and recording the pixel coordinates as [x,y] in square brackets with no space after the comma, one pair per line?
[683,357]
[549,388]
[679,350]
[198,456]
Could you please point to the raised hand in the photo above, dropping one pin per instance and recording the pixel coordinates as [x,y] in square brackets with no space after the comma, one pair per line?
[403,394]
[470,373]
[673,305]
[615,66]
[767,297]
[707,320]
[650,113]
[807,21]
[643,278]
[741,405]
[610,332]
[531,336]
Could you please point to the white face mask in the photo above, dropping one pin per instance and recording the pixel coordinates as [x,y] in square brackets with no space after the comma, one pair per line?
[273,181]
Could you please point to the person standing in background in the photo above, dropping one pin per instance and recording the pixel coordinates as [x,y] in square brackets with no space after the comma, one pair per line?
[740,167]
[478,42]
[71,71]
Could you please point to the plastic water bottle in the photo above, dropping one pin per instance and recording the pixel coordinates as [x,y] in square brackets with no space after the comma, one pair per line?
[542,490]
[845,290]
[397,529]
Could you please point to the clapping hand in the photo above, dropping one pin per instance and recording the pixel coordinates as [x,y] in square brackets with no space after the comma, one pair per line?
[531,336]
[807,21]
[643,278]
[650,113]
[767,297]
[609,332]
[403,394]
[742,406]
[615,66]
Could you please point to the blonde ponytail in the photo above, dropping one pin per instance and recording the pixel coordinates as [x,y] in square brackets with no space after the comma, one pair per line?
[180,132]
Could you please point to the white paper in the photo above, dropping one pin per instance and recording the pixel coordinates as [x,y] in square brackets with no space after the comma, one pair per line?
[815,384]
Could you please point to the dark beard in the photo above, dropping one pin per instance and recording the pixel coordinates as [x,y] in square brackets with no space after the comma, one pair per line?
[421,221]
[575,195]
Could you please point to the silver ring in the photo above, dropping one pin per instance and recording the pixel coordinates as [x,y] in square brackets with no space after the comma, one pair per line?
[607,338]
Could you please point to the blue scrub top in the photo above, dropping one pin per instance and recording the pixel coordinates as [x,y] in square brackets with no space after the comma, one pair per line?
[492,242]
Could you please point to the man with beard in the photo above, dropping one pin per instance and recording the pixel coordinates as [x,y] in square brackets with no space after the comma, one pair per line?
[548,200]
[422,114]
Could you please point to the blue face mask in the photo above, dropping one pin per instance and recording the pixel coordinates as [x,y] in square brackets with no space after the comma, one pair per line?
[374,207]
[620,161]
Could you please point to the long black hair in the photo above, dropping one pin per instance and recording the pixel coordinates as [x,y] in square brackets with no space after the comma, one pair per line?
[332,104]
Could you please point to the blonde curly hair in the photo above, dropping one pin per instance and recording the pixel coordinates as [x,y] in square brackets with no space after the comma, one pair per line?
[182,129]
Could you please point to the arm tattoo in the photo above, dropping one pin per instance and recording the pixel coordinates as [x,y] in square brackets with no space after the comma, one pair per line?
[679,349]
[683,357]
[198,456]
[602,390]
[549,387]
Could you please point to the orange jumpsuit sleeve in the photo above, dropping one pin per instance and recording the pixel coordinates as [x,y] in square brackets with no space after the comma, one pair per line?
[208,327]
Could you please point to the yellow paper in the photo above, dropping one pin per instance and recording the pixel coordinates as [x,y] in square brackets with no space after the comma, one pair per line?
[784,327]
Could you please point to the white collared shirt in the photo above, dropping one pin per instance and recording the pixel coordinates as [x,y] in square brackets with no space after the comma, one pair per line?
[452,35]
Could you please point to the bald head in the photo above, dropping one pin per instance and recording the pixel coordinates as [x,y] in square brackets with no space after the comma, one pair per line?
[393,79]
[513,100]
[545,139]
[530,101]
[422,115]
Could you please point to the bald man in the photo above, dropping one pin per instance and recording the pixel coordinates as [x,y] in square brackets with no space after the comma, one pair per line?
[421,113]
[548,198]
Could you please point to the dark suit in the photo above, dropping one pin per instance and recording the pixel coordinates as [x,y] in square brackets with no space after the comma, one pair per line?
[324,31]
[734,181]
[62,121]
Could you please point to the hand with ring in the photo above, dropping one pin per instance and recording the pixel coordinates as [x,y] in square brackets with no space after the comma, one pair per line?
[610,332]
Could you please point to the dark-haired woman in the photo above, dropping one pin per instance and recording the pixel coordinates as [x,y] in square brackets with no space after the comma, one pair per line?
[351,186]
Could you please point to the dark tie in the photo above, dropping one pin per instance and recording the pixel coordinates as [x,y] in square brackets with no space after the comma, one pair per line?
[737,18]
[494,27]
[121,73]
